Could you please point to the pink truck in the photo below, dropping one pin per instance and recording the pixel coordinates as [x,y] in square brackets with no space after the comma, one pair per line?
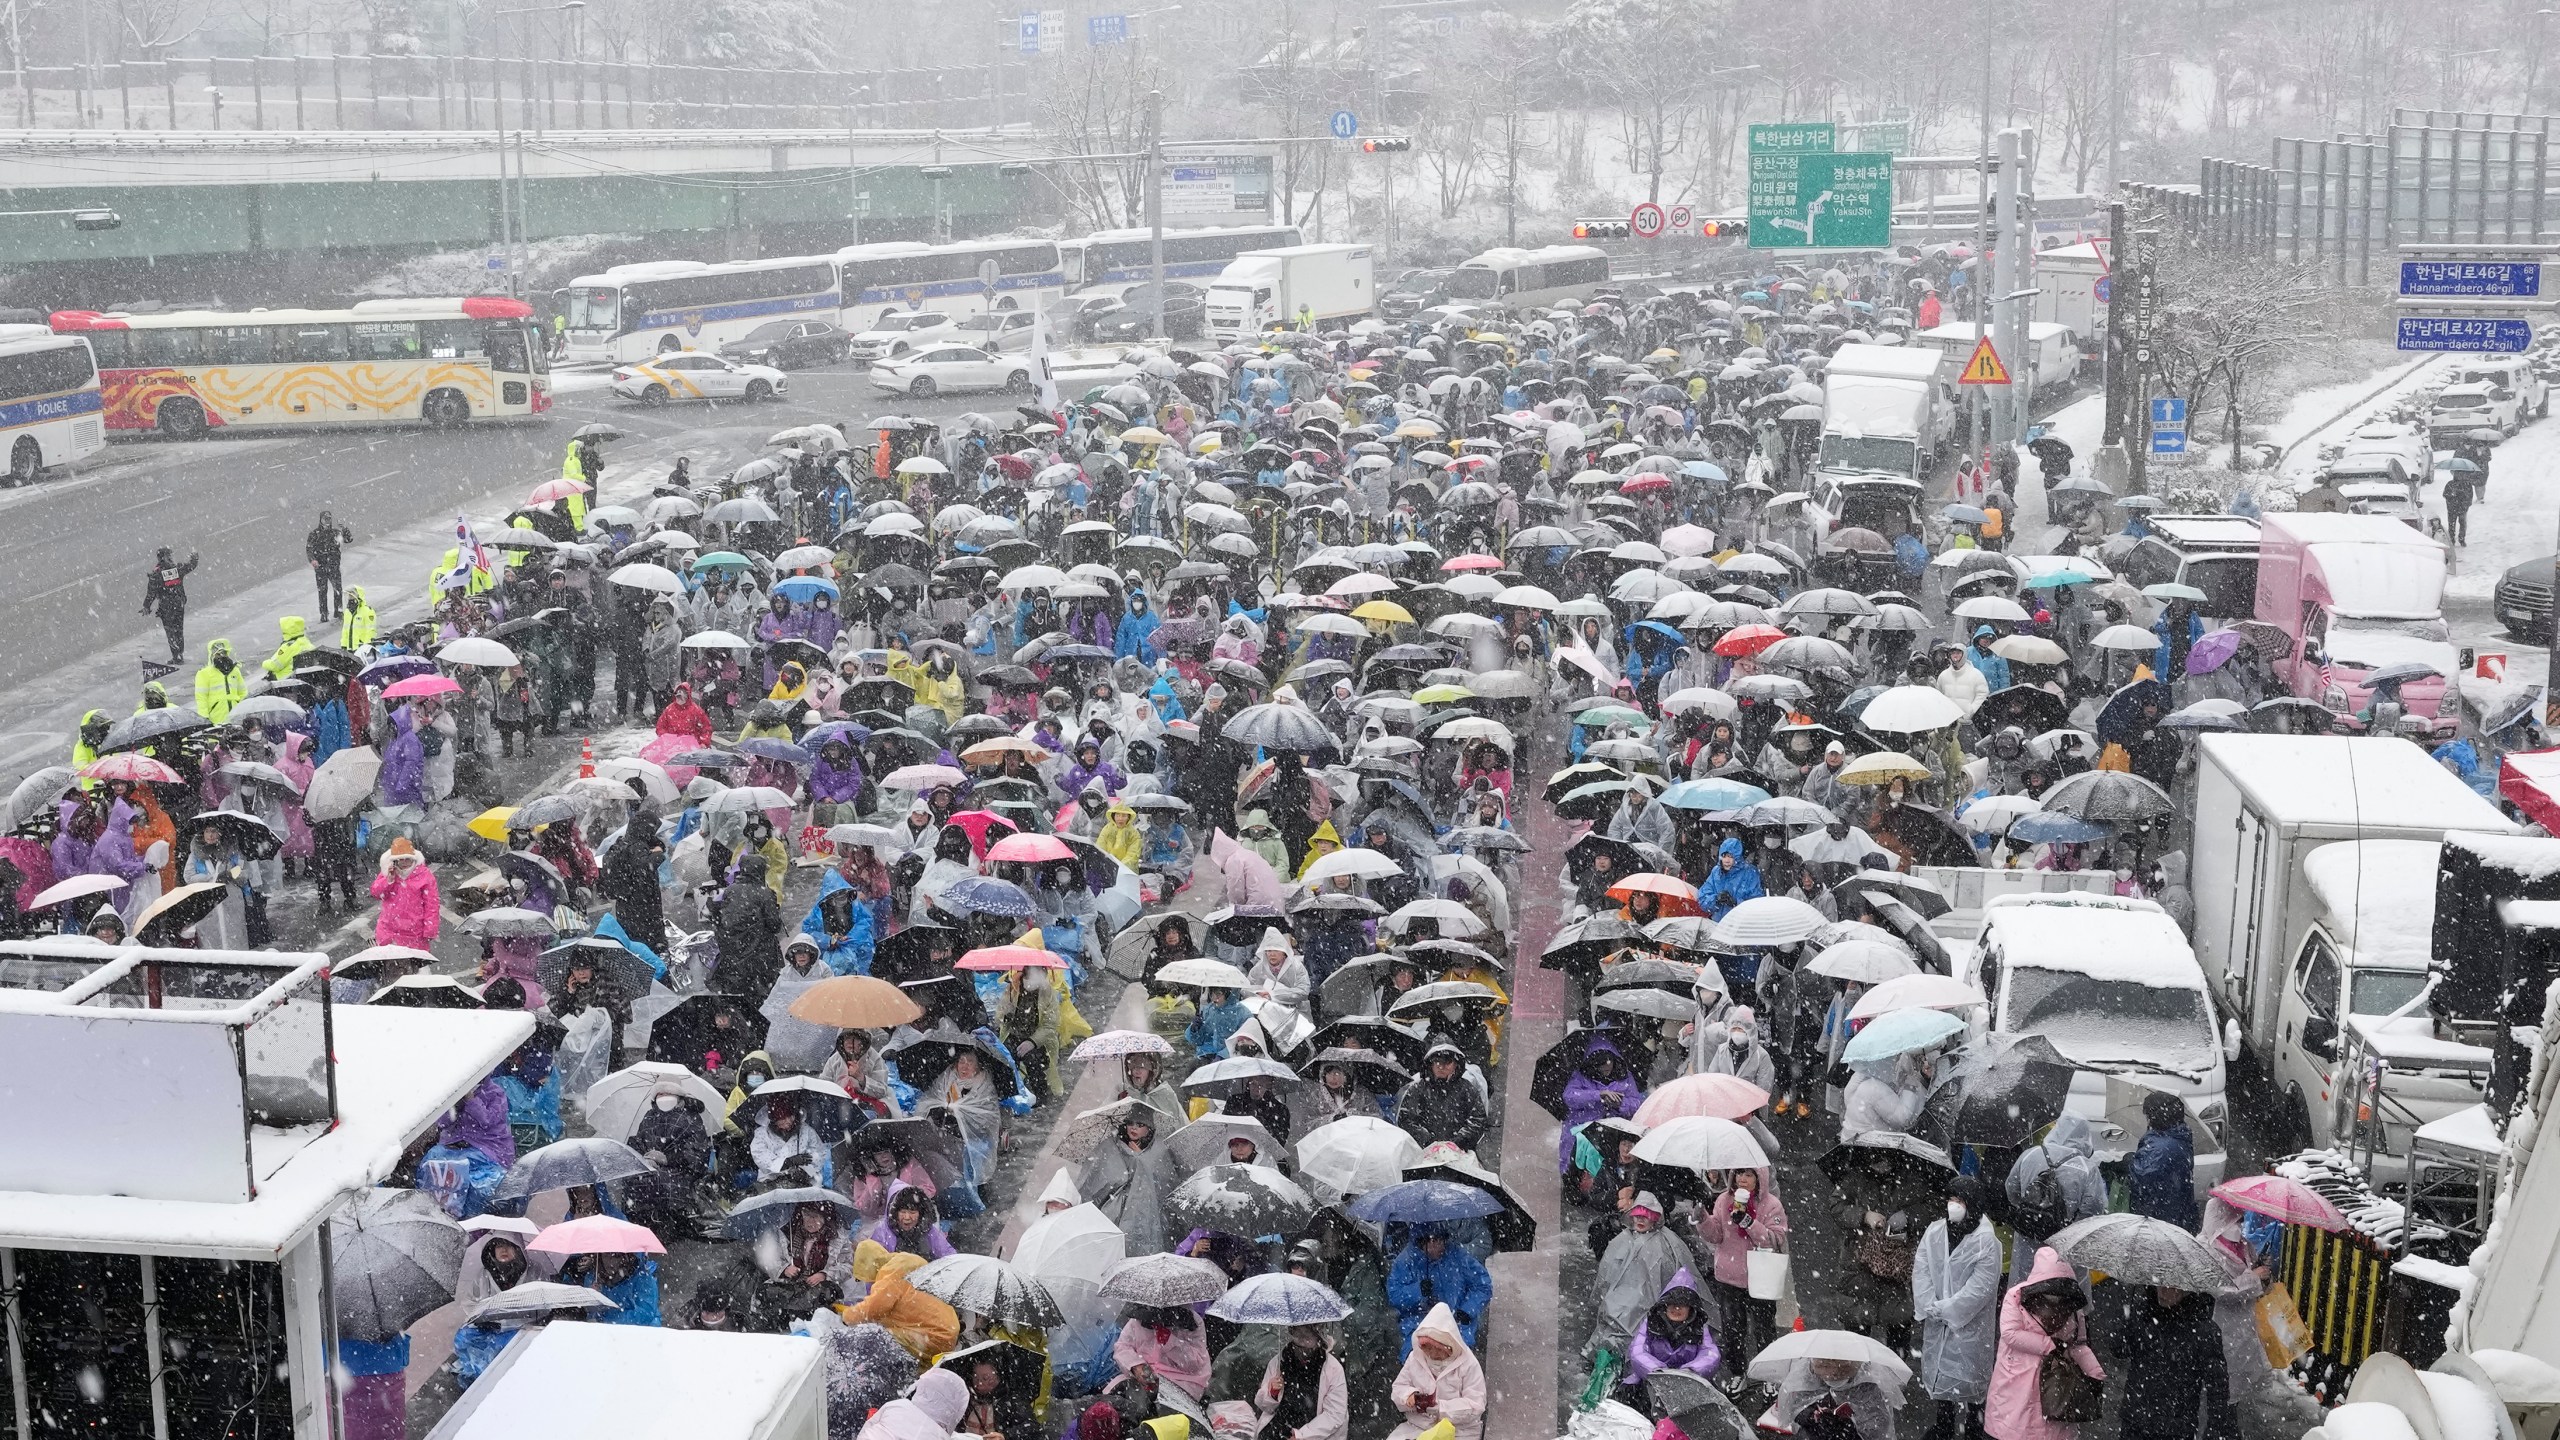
[2355,593]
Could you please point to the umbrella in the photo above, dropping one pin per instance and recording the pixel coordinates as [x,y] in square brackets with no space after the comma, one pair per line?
[984,1285]
[1221,1078]
[129,766]
[501,922]
[1701,1142]
[614,1104]
[1768,920]
[1794,1347]
[1280,1298]
[1724,1097]
[597,1235]
[2108,797]
[1203,973]
[395,1256]
[2000,1092]
[37,793]
[1356,1154]
[1164,1281]
[1900,1033]
[2138,1250]
[1910,708]
[2281,1197]
[264,707]
[1208,1141]
[1424,1202]
[1922,991]
[1279,726]
[1242,1200]
[534,1299]
[566,1163]
[1866,962]
[773,1207]
[1112,1043]
[145,726]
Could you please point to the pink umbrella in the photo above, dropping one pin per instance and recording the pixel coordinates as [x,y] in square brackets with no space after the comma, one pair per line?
[1009,957]
[550,490]
[657,751]
[128,766]
[1722,1097]
[981,828]
[1030,849]
[2282,1198]
[1470,562]
[421,686]
[596,1235]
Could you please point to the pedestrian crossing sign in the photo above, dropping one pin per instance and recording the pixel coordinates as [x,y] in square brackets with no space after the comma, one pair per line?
[1985,367]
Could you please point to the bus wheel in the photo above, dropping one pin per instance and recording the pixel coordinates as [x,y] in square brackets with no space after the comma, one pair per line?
[26,462]
[668,344]
[180,419]
[654,395]
[445,409]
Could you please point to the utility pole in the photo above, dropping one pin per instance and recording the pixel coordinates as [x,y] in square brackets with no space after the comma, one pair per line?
[2001,305]
[1979,288]
[2115,91]
[2110,466]
[1155,207]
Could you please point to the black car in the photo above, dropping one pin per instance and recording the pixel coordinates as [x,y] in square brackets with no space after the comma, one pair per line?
[1413,291]
[791,344]
[1186,313]
[2523,599]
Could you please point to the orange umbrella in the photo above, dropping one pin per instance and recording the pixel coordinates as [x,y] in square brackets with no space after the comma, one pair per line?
[1678,896]
[856,1002]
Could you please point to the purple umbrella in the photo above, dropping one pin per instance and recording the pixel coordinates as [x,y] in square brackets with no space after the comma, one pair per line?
[2213,650]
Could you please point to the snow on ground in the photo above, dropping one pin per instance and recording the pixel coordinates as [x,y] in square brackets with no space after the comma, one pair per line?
[2327,414]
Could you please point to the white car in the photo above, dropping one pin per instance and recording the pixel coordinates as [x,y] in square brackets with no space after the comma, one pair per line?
[1008,330]
[2391,440]
[896,334]
[941,369]
[2475,405]
[693,375]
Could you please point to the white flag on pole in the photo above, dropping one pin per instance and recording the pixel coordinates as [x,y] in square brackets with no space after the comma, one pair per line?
[1043,380]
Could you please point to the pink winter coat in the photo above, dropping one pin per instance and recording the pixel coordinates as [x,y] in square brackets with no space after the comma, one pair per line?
[294,761]
[410,908]
[1181,1356]
[2015,1409]
[1733,1242]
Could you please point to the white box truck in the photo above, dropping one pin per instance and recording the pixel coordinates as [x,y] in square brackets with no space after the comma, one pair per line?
[2281,921]
[2050,366]
[1318,283]
[2067,284]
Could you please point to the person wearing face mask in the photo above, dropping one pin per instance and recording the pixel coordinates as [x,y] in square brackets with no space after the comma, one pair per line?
[1135,638]
[1955,1297]
[1746,1217]
[670,1136]
[1736,1050]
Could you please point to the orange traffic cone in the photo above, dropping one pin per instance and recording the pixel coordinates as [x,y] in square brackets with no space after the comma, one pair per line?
[587,757]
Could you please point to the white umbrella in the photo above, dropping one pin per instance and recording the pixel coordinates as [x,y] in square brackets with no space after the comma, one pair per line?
[1360,864]
[713,640]
[1525,597]
[1701,1142]
[1867,962]
[1910,708]
[641,575]
[342,784]
[2125,637]
[2029,650]
[1768,920]
[476,650]
[1356,1154]
[1033,577]
[1922,991]
[1782,1355]
[1700,697]
[1993,607]
[615,1103]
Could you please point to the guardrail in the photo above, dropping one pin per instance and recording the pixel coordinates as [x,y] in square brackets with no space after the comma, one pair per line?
[430,92]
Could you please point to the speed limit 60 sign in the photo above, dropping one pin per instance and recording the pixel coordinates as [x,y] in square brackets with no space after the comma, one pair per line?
[1646,220]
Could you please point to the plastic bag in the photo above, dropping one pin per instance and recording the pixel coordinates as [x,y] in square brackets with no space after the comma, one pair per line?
[1605,1368]
[1608,1420]
[2281,1332]
[585,1055]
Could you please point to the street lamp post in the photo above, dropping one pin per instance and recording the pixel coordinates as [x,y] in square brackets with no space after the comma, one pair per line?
[511,226]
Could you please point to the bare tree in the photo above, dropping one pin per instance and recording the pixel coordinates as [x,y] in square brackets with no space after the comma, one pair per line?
[1095,107]
[1656,58]
[2223,317]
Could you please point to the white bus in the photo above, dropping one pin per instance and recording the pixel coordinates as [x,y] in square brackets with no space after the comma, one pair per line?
[1521,278]
[1125,257]
[636,312]
[887,278]
[52,412]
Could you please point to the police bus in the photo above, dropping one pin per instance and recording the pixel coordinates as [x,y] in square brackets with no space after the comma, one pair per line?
[51,411]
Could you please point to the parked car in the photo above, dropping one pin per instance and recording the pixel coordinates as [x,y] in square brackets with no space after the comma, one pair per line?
[950,368]
[1413,290]
[895,335]
[1007,330]
[1186,313]
[2510,377]
[2391,440]
[2523,599]
[791,344]
[697,375]
[2459,409]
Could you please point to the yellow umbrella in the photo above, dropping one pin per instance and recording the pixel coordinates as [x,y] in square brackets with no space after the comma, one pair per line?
[992,752]
[1442,694]
[1143,435]
[1386,610]
[1882,768]
[492,824]
[1417,430]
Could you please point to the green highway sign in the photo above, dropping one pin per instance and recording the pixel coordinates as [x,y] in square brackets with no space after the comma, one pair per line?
[1893,137]
[1821,201]
[1794,138]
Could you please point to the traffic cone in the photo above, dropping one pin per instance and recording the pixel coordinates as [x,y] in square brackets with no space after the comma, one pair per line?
[587,757]
[1799,1325]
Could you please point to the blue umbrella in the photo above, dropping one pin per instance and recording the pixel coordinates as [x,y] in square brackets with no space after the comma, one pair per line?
[2045,827]
[1703,470]
[1900,1032]
[1713,793]
[800,588]
[1074,652]
[1962,514]
[844,730]
[1668,632]
[766,747]
[2058,578]
[396,667]
[1281,1299]
[982,895]
[1423,1202]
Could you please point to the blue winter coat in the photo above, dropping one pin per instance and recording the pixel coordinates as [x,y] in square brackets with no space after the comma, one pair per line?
[1995,670]
[2160,656]
[638,1297]
[1723,889]
[848,953]
[1457,1280]
[2164,1177]
[1136,638]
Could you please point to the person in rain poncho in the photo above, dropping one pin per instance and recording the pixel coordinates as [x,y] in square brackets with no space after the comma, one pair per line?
[1602,1085]
[1734,1049]
[1277,970]
[911,1226]
[808,1257]
[1128,1180]
[1221,1013]
[1672,1336]
[925,1325]
[1639,820]
[1883,1096]
[1142,1078]
[967,1101]
[1824,1399]
[932,1412]
[950,864]
[1955,1297]
[2038,1318]
[1433,1270]
[1638,1265]
[880,1169]
[1441,1381]
[1732,881]
[1120,838]
[1303,1394]
[783,1144]
[2055,1182]
[2226,1230]
[1162,1343]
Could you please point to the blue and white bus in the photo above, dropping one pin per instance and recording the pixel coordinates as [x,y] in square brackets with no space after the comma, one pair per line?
[1125,257]
[634,312]
[894,276]
[52,413]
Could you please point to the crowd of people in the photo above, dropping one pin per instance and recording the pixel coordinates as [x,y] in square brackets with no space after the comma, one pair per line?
[1273,681]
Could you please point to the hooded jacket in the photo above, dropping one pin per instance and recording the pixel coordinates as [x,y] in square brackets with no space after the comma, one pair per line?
[2014,1407]
[939,1400]
[750,935]
[1723,889]
[2163,1173]
[1955,1295]
[1650,1351]
[356,624]
[1456,1385]
[1288,983]
[845,951]
[2069,1154]
[216,690]
[1119,838]
[923,1324]
[1587,1099]
[290,648]
[411,910]
[1432,1110]
[1416,1283]
[1653,827]
[1136,637]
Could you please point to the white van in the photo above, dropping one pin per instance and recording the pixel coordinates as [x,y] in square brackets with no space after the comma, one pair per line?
[2508,378]
[2111,983]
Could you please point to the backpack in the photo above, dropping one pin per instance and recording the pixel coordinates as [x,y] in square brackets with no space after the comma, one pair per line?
[2042,1210]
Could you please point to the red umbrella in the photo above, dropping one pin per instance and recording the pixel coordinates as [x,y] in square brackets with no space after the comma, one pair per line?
[1678,896]
[1030,849]
[1009,957]
[1749,639]
[978,825]
[1644,484]
[421,686]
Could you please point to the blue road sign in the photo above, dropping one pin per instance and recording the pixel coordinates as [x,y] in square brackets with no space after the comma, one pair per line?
[1345,125]
[2102,288]
[1027,32]
[2465,334]
[1106,29]
[2471,279]
[2168,441]
[2169,410]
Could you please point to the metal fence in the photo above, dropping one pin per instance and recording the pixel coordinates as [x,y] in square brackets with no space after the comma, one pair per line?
[428,92]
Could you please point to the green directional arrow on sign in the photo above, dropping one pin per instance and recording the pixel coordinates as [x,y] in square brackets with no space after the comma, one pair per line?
[1821,202]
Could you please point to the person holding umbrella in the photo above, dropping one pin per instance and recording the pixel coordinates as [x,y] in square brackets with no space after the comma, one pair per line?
[1430,1271]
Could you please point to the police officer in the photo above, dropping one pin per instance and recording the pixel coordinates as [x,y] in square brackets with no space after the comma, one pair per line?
[164,592]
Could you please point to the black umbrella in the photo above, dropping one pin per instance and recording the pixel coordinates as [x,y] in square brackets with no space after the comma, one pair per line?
[925,1056]
[2000,1093]
[1546,1084]
[256,840]
[691,1027]
[144,726]
[1582,945]
[608,956]
[1241,1200]
[1377,1035]
[1623,857]
[2029,707]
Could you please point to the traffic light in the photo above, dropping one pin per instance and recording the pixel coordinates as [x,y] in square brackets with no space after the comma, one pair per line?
[1385,146]
[1723,226]
[1602,230]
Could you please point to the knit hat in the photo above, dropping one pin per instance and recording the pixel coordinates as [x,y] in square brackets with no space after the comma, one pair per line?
[401,849]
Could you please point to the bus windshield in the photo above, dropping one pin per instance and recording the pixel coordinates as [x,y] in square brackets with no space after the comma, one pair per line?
[597,308]
[1472,282]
